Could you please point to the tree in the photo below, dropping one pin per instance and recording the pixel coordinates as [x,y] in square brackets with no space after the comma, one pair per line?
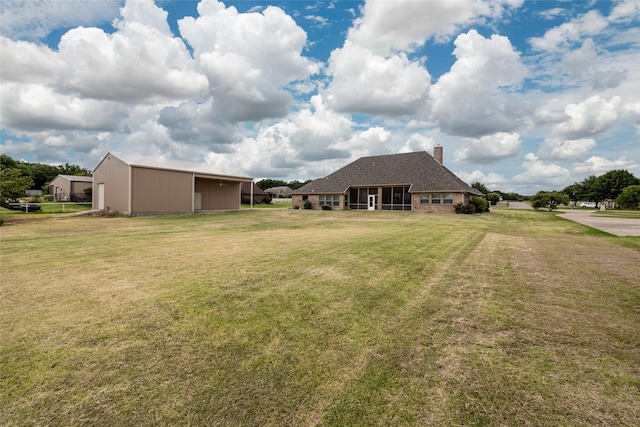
[74,170]
[263,184]
[40,173]
[611,184]
[295,184]
[630,197]
[480,187]
[7,162]
[573,191]
[13,184]
[550,200]
[493,198]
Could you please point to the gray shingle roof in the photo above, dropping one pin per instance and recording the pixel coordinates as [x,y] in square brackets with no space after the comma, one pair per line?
[76,178]
[418,170]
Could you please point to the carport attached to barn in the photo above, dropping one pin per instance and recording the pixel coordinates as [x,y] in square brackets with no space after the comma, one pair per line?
[143,186]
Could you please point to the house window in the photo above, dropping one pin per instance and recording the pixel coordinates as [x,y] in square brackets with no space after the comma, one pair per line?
[436,198]
[448,199]
[424,199]
[329,199]
[386,196]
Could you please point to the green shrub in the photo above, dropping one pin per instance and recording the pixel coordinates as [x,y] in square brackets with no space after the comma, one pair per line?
[480,204]
[464,209]
[307,204]
[326,207]
[267,200]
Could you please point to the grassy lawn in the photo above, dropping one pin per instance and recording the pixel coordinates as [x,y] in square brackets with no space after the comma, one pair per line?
[49,208]
[620,213]
[272,205]
[295,317]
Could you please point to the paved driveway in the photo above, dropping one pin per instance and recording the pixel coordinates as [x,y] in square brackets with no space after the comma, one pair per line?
[611,225]
[519,205]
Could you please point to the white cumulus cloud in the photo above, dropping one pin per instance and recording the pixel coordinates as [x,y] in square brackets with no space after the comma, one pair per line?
[589,24]
[35,19]
[489,148]
[368,83]
[247,58]
[561,149]
[541,175]
[590,117]
[596,165]
[473,98]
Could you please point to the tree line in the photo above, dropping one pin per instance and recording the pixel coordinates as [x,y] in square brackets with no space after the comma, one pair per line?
[619,185]
[17,176]
[263,184]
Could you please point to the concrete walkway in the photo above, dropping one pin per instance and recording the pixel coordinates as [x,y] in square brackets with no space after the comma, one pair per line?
[608,224]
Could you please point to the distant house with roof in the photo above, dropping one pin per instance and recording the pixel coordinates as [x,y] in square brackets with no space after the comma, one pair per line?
[408,182]
[279,192]
[251,190]
[70,188]
[137,185]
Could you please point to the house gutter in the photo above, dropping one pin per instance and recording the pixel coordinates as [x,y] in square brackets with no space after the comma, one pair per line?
[193,193]
[130,202]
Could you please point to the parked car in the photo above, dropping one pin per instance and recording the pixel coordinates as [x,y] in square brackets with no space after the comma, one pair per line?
[587,204]
[25,207]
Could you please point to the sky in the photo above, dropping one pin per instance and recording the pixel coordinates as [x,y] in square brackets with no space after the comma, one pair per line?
[522,95]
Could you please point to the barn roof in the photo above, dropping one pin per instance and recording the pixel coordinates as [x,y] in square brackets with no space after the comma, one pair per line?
[418,170]
[76,178]
[163,163]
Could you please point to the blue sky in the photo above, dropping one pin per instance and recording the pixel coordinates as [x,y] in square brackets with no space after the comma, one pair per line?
[522,95]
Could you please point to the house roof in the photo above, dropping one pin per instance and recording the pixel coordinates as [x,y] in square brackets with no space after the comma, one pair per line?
[418,170]
[76,178]
[257,191]
[174,165]
[281,189]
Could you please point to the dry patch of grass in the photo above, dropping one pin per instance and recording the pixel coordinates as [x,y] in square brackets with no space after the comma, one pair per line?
[317,318]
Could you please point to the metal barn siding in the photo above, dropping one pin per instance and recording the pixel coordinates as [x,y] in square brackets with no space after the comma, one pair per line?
[218,194]
[78,187]
[114,174]
[160,191]
[58,187]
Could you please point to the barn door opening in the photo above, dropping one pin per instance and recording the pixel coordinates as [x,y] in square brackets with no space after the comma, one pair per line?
[197,201]
[101,196]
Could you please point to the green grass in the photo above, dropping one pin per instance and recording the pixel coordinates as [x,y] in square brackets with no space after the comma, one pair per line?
[272,205]
[49,208]
[295,317]
[620,213]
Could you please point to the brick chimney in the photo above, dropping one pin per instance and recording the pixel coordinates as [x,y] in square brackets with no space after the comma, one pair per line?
[437,153]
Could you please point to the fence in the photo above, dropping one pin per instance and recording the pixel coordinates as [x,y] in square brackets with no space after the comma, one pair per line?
[59,207]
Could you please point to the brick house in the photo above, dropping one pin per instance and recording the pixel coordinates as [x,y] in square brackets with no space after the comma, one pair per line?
[410,182]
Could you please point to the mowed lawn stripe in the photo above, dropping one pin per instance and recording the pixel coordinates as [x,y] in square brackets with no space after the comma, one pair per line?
[316,318]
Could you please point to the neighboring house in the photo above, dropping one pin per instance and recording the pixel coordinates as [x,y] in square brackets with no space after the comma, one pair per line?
[258,194]
[409,182]
[33,193]
[145,186]
[67,188]
[281,192]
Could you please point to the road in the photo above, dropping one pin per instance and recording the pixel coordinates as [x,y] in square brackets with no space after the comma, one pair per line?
[609,224]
